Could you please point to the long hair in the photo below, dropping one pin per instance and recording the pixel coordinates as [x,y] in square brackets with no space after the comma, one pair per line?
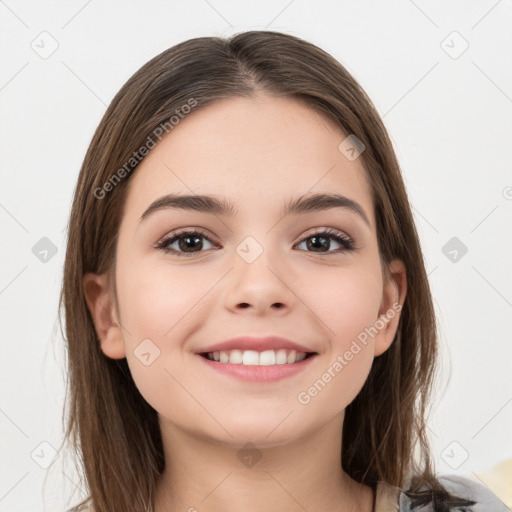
[110,426]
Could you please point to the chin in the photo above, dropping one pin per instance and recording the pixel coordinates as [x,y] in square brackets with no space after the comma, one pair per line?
[263,434]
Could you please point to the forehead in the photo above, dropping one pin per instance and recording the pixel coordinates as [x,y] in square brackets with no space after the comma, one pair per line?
[256,152]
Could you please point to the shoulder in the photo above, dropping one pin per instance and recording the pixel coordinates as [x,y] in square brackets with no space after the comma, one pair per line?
[485,500]
[462,487]
[394,499]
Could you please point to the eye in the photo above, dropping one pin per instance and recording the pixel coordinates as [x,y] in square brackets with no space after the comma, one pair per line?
[189,242]
[321,240]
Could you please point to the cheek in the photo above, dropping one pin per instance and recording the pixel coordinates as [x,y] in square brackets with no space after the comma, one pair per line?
[347,300]
[161,308]
[157,303]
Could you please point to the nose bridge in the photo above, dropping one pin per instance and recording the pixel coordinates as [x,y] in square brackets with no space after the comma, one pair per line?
[259,276]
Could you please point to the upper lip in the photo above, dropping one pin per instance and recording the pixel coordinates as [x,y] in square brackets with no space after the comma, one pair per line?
[254,343]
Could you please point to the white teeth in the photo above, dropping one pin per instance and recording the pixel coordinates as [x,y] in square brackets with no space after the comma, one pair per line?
[301,356]
[235,356]
[281,357]
[254,358]
[250,357]
[268,358]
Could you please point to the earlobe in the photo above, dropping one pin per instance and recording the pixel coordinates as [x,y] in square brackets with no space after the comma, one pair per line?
[101,305]
[393,297]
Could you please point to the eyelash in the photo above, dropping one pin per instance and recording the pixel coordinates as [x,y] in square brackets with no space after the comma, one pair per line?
[345,241]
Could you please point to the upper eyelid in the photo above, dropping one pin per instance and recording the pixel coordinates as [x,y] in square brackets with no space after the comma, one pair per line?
[204,232]
[332,231]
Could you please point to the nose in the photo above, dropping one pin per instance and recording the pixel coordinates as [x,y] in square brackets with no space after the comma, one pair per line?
[262,286]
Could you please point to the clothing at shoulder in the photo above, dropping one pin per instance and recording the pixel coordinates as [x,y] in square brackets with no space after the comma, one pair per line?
[393,499]
[486,500]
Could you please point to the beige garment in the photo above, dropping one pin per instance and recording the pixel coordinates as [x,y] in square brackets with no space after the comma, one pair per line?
[498,479]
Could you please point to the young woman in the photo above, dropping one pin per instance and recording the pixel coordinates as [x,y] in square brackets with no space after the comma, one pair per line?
[247,313]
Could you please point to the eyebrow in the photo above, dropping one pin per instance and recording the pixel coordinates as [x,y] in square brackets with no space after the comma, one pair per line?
[220,206]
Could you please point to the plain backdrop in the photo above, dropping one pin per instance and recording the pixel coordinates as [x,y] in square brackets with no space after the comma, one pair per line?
[440,74]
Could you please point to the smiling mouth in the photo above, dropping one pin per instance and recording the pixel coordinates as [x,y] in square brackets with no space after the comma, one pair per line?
[255,358]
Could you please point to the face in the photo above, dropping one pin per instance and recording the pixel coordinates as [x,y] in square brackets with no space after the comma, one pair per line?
[254,271]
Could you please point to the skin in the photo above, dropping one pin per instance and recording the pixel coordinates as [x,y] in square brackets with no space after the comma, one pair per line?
[257,153]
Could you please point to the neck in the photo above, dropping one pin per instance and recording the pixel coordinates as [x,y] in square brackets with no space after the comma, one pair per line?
[302,474]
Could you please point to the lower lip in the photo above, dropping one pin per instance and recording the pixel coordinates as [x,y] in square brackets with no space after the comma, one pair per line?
[258,373]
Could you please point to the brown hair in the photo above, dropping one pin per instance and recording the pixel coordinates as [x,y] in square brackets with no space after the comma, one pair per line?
[110,425]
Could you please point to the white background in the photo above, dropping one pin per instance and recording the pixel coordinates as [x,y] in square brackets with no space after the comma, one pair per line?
[450,120]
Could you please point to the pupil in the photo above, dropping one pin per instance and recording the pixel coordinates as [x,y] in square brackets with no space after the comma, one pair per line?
[188,244]
[314,239]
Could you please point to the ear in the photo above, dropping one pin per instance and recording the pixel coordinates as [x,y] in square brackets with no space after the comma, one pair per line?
[101,304]
[393,297]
